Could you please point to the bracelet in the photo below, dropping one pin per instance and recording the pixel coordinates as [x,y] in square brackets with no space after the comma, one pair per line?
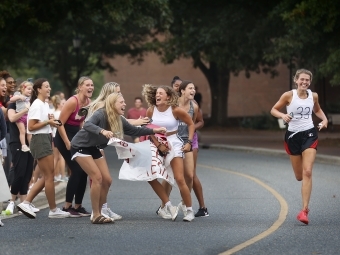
[101,131]
[46,122]
[189,142]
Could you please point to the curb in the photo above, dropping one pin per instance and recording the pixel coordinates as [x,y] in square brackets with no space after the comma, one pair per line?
[320,158]
[40,200]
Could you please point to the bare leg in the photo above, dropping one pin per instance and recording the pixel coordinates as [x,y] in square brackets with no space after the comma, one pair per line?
[22,132]
[90,167]
[197,186]
[160,191]
[178,169]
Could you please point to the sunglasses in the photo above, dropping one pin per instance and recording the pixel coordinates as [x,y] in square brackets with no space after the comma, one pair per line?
[11,82]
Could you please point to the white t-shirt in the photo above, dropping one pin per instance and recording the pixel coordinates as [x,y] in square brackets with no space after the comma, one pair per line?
[56,114]
[39,110]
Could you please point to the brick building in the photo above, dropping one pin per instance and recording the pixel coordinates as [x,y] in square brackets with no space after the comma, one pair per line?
[247,97]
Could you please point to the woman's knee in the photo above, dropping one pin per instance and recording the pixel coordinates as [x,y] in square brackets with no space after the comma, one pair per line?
[307,173]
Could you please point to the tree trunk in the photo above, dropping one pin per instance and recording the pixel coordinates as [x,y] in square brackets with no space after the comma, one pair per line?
[218,79]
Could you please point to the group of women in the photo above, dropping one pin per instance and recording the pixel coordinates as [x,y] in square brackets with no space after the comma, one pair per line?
[81,144]
[175,114]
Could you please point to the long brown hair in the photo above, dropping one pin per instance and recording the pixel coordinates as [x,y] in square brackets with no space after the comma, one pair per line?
[149,93]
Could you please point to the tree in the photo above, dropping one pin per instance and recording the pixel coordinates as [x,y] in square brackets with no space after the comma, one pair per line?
[310,36]
[222,38]
[105,28]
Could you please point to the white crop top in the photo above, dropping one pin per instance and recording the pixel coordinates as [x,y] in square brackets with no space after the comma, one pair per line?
[165,119]
[301,110]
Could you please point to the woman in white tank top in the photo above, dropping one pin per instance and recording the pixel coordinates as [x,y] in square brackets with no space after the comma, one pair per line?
[301,138]
[164,112]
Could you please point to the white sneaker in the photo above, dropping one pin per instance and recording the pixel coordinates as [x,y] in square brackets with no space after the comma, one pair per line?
[26,209]
[183,208]
[58,214]
[190,216]
[111,214]
[25,148]
[10,208]
[34,209]
[164,213]
[173,211]
[1,224]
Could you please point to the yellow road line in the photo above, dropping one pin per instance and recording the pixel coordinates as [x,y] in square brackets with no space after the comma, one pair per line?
[276,224]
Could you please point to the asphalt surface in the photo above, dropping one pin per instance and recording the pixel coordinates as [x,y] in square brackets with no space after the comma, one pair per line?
[237,181]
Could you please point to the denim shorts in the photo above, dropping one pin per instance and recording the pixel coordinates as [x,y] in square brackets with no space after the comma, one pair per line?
[41,145]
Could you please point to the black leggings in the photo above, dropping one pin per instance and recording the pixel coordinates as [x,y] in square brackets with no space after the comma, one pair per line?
[22,169]
[76,185]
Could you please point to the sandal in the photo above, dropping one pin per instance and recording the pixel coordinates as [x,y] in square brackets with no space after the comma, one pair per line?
[101,219]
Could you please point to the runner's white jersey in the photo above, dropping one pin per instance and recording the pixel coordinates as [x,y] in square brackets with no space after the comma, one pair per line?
[301,110]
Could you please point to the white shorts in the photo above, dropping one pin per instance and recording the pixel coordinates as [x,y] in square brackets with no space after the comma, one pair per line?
[177,145]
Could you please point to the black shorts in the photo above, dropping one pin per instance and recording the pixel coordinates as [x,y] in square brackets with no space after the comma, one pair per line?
[301,141]
[90,151]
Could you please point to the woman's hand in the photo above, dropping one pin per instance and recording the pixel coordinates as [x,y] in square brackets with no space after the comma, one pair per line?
[287,117]
[186,147]
[106,133]
[142,121]
[323,124]
[161,130]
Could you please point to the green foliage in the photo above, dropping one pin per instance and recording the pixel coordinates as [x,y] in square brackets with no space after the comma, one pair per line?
[261,122]
[310,36]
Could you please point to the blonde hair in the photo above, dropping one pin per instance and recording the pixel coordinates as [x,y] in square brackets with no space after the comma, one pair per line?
[81,81]
[107,89]
[23,85]
[149,93]
[300,71]
[113,117]
[56,100]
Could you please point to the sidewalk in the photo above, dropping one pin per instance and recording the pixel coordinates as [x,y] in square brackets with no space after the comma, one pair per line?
[266,141]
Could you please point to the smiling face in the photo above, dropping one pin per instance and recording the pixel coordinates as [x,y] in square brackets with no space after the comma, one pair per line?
[87,88]
[27,90]
[176,85]
[161,97]
[189,91]
[303,81]
[120,105]
[10,83]
[44,91]
[3,88]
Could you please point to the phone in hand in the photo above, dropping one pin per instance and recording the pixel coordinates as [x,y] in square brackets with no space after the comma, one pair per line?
[58,122]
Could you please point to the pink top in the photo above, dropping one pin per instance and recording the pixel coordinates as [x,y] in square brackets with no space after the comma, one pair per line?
[75,119]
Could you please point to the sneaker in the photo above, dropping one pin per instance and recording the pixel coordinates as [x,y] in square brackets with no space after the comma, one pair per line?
[57,214]
[173,211]
[73,213]
[25,148]
[111,214]
[164,213]
[34,209]
[10,208]
[26,210]
[189,216]
[183,208]
[303,216]
[82,211]
[1,224]
[202,212]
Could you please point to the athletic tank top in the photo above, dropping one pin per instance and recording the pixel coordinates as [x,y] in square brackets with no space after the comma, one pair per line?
[183,131]
[75,119]
[165,119]
[301,110]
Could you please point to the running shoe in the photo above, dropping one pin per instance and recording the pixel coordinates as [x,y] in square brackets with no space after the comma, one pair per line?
[183,208]
[82,211]
[189,216]
[34,209]
[303,216]
[111,214]
[1,224]
[58,214]
[10,208]
[173,210]
[164,213]
[73,213]
[202,212]
[26,210]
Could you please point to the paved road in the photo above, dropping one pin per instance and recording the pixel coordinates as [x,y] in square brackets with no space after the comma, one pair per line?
[247,194]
